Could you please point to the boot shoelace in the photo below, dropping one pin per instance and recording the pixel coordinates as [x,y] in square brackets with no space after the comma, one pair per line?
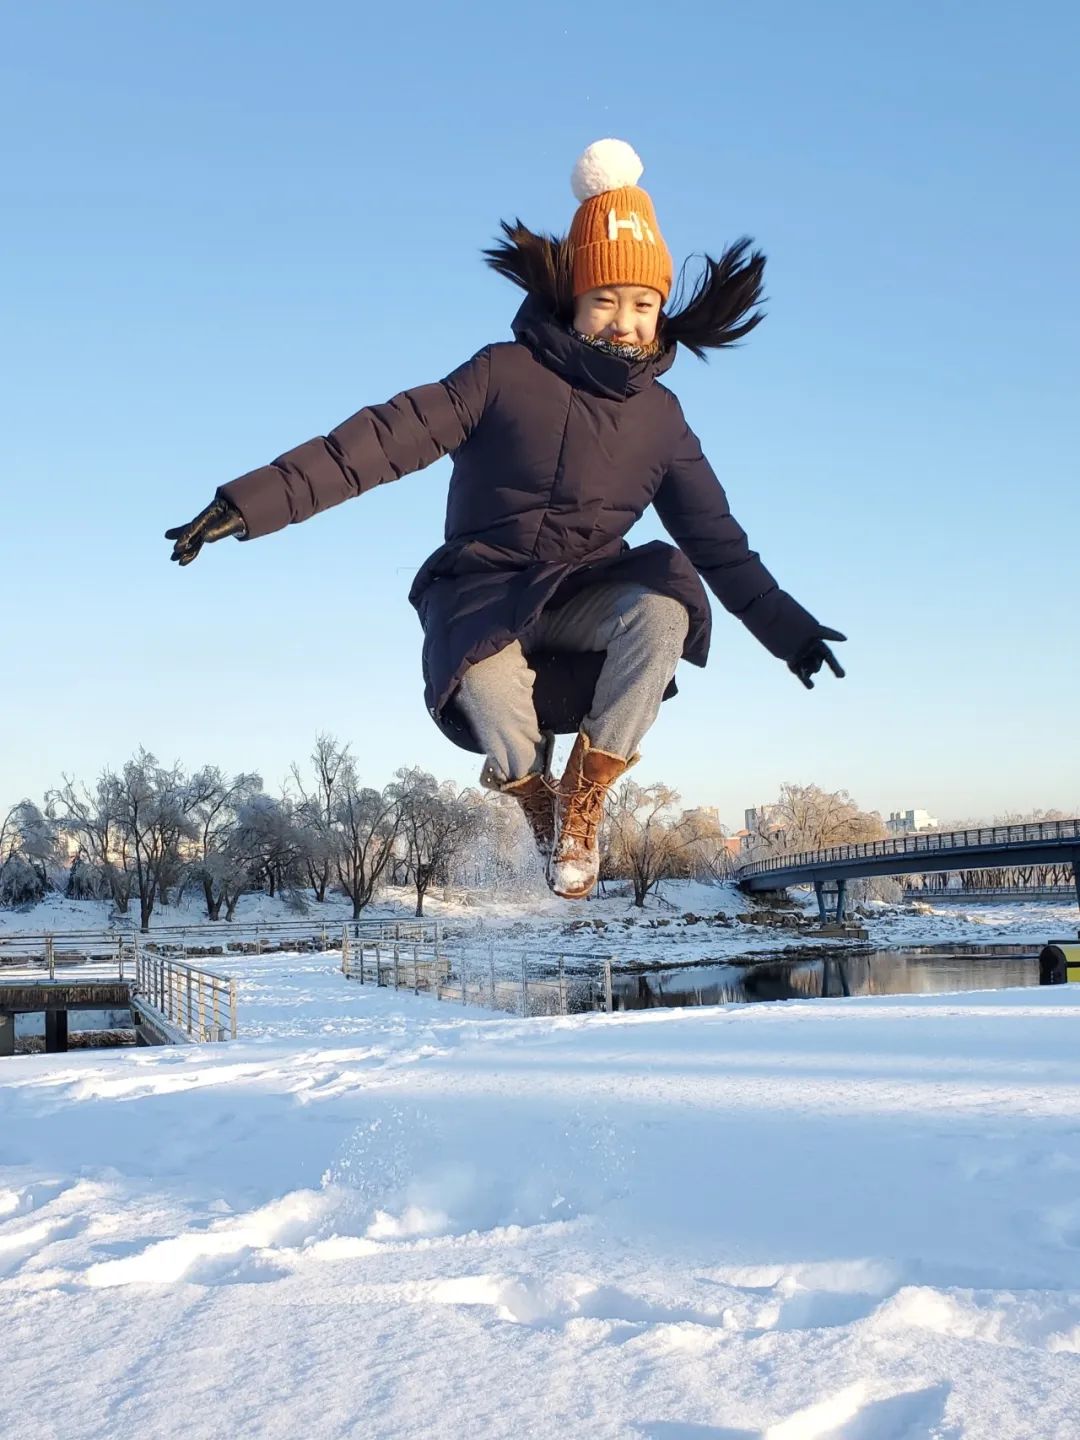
[584,811]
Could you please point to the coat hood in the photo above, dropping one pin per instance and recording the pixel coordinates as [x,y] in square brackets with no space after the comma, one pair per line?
[557,347]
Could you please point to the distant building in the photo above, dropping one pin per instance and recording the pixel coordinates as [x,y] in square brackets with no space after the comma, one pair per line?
[910,822]
[761,827]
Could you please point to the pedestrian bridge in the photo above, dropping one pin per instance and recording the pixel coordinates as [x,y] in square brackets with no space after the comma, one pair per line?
[998,847]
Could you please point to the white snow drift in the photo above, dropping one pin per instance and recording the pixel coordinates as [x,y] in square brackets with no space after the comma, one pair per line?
[383,1217]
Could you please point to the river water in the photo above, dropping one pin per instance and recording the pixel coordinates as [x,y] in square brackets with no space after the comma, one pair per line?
[832,973]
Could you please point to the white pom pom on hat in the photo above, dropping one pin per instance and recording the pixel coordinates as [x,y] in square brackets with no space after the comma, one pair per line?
[606,165]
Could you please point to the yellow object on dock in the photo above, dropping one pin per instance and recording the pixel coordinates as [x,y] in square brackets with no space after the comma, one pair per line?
[1059,963]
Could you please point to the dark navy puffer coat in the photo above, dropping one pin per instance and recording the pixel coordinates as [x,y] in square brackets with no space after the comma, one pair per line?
[558,449]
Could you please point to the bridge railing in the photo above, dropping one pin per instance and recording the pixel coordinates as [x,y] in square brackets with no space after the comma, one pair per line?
[201,939]
[521,981]
[200,1003]
[924,842]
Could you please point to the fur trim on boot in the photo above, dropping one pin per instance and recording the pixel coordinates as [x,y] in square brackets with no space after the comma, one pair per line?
[579,808]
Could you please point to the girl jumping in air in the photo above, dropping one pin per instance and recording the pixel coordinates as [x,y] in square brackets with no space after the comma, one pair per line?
[539,619]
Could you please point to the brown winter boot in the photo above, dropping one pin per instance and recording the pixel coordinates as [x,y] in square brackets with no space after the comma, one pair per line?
[579,809]
[536,796]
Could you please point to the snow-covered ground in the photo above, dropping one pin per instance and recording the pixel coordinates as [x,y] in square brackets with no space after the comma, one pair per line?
[380,1216]
[686,921]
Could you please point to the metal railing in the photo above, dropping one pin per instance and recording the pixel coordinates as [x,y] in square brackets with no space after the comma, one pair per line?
[519,982]
[50,954]
[199,1003]
[991,892]
[220,937]
[925,842]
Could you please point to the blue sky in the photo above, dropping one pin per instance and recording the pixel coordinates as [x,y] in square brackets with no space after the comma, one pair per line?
[229,227]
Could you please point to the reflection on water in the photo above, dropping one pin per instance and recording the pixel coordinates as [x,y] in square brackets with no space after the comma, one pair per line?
[876,972]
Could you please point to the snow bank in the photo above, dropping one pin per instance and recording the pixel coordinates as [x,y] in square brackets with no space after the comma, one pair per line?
[384,1217]
[686,921]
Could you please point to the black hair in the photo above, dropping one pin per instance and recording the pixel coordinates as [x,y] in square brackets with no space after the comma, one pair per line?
[719,312]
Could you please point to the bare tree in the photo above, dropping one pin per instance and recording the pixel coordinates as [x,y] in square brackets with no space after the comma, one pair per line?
[805,817]
[154,808]
[436,824]
[316,808]
[706,856]
[649,837]
[366,825]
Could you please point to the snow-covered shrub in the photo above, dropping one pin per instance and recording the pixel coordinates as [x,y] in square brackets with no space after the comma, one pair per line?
[296,902]
[86,881]
[21,883]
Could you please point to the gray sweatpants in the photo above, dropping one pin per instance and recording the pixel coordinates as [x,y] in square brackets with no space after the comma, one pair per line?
[643,634]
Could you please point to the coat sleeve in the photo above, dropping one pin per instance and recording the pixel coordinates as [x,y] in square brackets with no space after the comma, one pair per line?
[694,509]
[377,444]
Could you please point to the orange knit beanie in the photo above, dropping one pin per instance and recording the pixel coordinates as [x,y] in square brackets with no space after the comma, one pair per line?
[614,234]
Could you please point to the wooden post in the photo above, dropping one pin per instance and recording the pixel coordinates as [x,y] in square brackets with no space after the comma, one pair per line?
[397,962]
[416,969]
[120,955]
[464,981]
[491,963]
[232,1007]
[56,1032]
[50,956]
[345,950]
[189,1010]
[202,1010]
[607,986]
[562,985]
[524,988]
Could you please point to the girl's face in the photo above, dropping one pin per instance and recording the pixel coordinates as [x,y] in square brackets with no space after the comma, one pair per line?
[625,314]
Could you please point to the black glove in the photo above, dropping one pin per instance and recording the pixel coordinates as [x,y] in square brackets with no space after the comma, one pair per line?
[814,654]
[220,518]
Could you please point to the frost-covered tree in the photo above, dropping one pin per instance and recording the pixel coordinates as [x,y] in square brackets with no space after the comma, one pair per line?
[367,823]
[436,824]
[500,856]
[219,863]
[805,817]
[89,819]
[28,852]
[648,836]
[316,806]
[270,841]
[155,809]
